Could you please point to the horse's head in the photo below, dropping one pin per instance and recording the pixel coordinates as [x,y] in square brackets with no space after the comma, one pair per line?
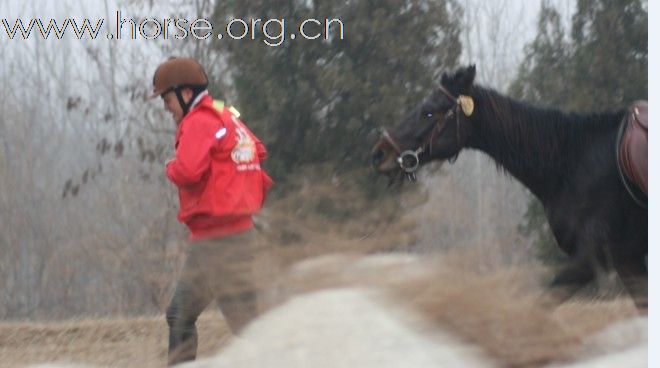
[436,129]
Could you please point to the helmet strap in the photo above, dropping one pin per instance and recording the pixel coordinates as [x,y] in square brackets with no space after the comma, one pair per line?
[186,106]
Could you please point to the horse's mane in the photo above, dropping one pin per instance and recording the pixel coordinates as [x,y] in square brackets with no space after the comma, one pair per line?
[535,141]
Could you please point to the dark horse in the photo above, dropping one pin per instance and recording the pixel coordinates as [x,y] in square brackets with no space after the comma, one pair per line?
[567,160]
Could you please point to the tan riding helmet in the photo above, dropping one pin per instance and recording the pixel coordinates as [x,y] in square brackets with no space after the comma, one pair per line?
[178,72]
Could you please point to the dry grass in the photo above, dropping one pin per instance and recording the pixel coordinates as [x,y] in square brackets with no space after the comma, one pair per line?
[502,310]
[511,321]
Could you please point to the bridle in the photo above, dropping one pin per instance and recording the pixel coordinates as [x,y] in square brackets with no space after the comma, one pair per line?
[409,159]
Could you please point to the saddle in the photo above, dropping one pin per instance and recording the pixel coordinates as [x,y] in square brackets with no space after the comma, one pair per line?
[633,148]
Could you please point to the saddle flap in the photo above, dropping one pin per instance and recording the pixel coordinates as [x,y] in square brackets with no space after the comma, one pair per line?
[639,113]
[633,145]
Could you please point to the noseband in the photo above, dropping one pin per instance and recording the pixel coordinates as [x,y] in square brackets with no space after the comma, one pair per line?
[408,159]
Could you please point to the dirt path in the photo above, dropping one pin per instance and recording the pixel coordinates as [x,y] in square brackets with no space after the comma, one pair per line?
[139,342]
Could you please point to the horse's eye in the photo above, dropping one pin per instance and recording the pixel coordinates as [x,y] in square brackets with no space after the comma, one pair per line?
[429,114]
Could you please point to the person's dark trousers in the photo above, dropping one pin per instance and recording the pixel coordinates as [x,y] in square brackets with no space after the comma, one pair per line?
[218,269]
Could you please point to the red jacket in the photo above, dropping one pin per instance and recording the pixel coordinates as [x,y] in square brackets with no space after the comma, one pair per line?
[217,171]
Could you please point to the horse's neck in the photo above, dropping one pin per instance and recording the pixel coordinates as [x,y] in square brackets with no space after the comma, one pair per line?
[537,146]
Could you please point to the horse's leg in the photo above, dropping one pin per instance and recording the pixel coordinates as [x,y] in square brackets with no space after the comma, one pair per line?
[570,279]
[589,261]
[634,276]
[630,257]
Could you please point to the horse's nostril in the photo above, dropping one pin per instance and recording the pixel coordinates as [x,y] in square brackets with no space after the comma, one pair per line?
[377,157]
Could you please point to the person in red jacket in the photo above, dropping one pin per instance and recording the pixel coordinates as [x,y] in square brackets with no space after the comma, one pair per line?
[217,171]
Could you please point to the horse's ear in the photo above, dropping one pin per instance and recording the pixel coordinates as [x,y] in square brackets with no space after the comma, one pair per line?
[444,79]
[472,70]
[467,76]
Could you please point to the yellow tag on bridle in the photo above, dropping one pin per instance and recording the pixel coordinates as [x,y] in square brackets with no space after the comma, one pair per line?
[467,104]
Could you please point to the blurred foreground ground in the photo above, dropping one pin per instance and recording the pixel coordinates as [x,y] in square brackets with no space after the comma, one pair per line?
[471,290]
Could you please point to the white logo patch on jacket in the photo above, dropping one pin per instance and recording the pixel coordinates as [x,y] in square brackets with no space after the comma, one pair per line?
[245,149]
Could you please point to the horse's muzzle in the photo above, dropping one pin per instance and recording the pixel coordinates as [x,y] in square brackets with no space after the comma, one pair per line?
[383,157]
[385,160]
